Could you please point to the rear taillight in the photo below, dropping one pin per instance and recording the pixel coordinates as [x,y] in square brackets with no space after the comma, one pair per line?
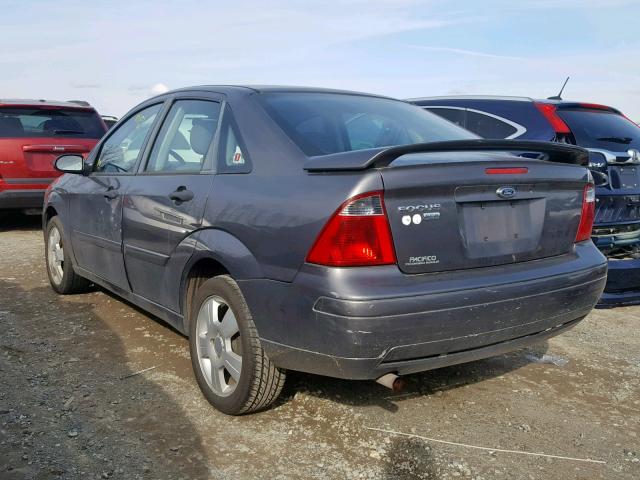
[588,213]
[506,171]
[356,235]
[549,112]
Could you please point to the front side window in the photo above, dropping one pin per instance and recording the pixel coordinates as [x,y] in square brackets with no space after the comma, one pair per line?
[185,137]
[326,123]
[34,122]
[120,152]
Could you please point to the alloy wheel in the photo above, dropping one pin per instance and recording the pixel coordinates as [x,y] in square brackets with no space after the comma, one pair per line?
[55,255]
[219,347]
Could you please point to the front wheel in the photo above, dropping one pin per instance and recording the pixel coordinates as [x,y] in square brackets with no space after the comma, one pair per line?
[59,268]
[230,366]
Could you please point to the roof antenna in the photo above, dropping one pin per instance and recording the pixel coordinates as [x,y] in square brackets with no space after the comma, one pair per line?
[558,97]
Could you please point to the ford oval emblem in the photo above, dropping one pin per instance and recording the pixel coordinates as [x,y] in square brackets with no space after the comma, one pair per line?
[506,192]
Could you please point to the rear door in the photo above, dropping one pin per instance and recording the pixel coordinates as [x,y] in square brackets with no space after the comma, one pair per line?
[165,202]
[96,201]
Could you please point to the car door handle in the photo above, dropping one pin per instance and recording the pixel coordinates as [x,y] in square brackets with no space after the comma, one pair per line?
[181,195]
[111,193]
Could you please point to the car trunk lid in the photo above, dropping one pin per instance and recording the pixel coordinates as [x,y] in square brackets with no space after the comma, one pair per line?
[451,211]
[39,157]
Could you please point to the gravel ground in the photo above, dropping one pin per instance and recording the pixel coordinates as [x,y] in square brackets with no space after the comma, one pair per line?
[70,407]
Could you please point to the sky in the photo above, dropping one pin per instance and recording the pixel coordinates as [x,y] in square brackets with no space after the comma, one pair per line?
[116,54]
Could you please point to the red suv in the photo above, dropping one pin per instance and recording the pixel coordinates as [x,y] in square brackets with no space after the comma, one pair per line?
[33,133]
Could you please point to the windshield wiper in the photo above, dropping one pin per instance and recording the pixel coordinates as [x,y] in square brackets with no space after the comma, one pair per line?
[69,132]
[624,140]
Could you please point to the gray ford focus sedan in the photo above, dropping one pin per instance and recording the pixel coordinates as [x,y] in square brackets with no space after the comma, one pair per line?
[323,231]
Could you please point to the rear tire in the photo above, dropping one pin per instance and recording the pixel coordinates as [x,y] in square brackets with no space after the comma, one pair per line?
[58,260]
[229,363]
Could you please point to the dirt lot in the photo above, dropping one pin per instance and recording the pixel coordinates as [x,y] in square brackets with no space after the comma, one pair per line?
[68,408]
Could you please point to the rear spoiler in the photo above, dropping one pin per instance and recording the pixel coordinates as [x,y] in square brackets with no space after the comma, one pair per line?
[363,159]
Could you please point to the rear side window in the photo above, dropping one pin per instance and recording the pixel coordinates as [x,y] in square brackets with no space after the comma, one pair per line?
[185,137]
[454,115]
[601,129]
[326,123]
[232,154]
[487,126]
[120,152]
[49,122]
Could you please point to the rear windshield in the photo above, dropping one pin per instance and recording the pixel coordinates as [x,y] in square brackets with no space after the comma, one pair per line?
[46,122]
[325,123]
[601,129]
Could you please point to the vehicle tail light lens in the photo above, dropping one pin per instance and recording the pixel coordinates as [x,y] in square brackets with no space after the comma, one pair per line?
[549,111]
[506,171]
[588,213]
[356,235]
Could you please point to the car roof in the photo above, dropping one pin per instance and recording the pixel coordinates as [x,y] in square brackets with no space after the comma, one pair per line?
[16,102]
[472,97]
[235,89]
[555,101]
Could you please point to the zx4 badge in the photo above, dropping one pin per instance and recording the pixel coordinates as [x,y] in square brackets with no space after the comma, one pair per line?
[416,214]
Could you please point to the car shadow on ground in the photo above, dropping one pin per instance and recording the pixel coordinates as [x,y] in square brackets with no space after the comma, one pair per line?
[19,221]
[69,404]
[432,382]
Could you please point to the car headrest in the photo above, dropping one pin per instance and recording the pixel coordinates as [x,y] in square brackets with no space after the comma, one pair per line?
[59,124]
[201,135]
[10,126]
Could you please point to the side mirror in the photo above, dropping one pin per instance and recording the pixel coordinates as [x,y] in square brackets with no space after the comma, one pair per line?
[70,163]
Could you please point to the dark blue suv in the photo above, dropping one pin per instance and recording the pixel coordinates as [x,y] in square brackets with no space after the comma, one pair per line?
[614,145]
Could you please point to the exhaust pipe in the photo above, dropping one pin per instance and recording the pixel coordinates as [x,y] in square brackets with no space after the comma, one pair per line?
[392,381]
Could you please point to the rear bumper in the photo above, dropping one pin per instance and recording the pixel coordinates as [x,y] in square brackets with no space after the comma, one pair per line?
[372,368]
[18,199]
[623,284]
[363,323]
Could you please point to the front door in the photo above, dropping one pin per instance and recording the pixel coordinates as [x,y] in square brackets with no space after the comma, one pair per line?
[96,209]
[165,202]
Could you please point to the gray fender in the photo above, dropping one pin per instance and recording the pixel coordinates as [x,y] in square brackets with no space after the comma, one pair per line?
[61,205]
[225,249]
[57,202]
[228,251]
